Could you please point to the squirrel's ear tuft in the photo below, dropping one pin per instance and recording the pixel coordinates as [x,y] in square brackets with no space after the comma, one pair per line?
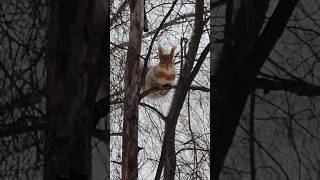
[160,53]
[172,52]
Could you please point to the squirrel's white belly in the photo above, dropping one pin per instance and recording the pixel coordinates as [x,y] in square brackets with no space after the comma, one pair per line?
[152,81]
[164,81]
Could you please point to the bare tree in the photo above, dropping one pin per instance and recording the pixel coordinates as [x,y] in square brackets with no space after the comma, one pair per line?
[155,125]
[22,88]
[264,45]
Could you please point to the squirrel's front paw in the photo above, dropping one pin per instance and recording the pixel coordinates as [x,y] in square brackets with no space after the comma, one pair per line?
[165,91]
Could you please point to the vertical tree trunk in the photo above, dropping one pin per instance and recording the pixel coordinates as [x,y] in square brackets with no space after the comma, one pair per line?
[75,64]
[131,114]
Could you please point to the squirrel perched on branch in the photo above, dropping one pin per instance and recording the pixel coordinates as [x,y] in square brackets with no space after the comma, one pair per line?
[160,75]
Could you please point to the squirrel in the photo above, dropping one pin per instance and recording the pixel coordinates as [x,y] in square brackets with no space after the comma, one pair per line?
[160,75]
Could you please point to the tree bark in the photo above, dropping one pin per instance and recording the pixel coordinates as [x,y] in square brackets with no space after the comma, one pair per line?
[131,114]
[75,64]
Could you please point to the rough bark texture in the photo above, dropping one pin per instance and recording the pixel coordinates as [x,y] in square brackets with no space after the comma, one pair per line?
[131,114]
[244,52]
[75,64]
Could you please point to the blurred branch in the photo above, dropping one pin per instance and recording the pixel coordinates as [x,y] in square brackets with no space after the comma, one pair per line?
[25,125]
[37,124]
[300,88]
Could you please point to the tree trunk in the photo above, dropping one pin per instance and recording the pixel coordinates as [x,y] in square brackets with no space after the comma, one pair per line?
[131,114]
[75,64]
[235,75]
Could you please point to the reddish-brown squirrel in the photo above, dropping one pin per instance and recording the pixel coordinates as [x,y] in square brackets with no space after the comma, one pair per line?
[160,75]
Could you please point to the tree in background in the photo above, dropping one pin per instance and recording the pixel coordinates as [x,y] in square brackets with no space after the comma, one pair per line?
[76,63]
[67,98]
[23,87]
[273,46]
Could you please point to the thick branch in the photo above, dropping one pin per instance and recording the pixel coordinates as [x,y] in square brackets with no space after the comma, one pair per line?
[24,128]
[300,88]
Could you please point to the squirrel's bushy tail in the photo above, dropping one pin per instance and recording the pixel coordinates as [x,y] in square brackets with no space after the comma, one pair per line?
[141,66]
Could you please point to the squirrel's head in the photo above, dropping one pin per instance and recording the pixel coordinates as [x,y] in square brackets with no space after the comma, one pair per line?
[166,60]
